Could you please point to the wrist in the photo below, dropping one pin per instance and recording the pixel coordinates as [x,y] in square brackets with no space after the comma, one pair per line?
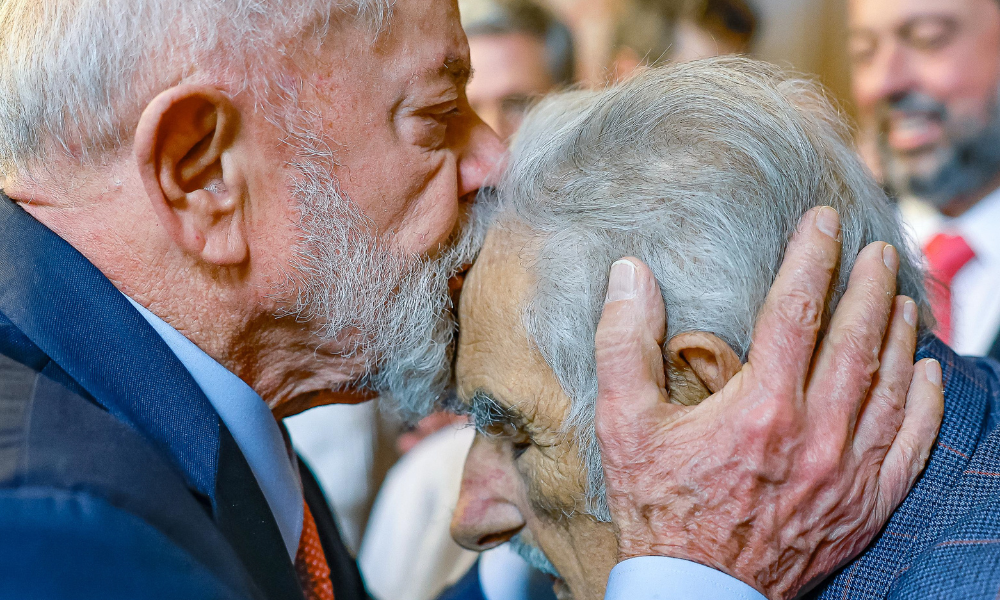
[735,562]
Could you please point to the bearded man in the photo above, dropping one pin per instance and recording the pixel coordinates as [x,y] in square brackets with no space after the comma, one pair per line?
[667,170]
[219,213]
[926,78]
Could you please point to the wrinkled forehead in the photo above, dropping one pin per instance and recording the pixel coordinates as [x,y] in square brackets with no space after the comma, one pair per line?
[495,353]
[420,46]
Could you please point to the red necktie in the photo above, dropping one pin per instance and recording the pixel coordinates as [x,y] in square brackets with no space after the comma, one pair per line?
[310,562]
[946,255]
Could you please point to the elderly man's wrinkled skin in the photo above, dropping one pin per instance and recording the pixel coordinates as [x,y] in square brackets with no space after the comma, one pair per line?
[527,473]
[532,477]
[745,506]
[211,249]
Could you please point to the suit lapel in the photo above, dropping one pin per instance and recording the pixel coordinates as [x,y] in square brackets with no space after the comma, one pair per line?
[347,581]
[245,519]
[69,310]
[61,306]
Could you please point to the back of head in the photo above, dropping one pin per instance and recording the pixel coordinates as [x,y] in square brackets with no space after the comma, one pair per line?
[702,170]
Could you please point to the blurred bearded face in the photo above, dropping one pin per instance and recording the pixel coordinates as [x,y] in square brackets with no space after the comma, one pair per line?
[926,76]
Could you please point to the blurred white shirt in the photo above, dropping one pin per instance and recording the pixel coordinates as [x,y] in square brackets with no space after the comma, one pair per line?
[338,443]
[975,290]
[407,552]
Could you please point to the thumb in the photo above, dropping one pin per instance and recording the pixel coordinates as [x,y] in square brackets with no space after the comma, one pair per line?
[630,377]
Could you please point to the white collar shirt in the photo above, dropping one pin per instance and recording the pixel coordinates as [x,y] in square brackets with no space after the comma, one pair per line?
[975,290]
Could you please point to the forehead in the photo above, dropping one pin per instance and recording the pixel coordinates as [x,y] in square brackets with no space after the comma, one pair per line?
[422,46]
[507,62]
[425,40]
[494,351]
[891,13]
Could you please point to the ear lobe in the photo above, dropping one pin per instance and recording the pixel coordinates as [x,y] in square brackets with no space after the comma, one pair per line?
[183,147]
[701,364]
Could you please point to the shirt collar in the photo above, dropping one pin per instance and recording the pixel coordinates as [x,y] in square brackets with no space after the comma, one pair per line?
[252,425]
[978,227]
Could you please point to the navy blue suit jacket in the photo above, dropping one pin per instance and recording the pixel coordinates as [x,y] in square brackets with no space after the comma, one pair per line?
[117,477]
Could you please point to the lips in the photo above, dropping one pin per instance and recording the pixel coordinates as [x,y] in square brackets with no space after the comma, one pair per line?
[913,131]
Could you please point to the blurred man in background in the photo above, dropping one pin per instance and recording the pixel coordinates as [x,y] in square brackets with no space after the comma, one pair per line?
[654,31]
[520,52]
[926,75]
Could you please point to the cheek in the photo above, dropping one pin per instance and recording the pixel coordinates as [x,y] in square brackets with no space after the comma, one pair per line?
[555,480]
[433,210]
[971,91]
[405,190]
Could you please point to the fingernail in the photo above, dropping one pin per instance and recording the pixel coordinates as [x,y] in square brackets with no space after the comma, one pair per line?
[910,313]
[934,372]
[828,222]
[621,283]
[890,257]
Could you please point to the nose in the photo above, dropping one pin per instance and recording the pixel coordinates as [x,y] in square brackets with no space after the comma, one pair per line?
[486,515]
[890,76]
[482,158]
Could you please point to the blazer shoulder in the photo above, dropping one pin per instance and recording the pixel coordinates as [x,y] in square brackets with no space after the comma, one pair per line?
[59,544]
[63,456]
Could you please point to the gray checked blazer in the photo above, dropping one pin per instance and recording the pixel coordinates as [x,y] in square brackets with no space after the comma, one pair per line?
[944,541]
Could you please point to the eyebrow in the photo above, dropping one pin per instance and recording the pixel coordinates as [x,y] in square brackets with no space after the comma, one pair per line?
[485,410]
[457,69]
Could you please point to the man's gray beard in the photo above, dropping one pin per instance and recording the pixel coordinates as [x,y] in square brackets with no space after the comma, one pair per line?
[533,555]
[970,163]
[393,310]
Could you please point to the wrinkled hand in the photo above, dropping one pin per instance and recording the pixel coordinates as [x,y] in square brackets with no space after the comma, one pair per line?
[796,464]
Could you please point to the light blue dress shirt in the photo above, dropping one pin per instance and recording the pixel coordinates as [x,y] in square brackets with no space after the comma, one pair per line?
[253,427]
[662,578]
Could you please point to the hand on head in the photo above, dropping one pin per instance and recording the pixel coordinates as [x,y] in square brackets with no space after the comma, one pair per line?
[806,448]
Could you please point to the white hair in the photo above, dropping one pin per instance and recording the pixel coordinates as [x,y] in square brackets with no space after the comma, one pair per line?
[701,170]
[76,74]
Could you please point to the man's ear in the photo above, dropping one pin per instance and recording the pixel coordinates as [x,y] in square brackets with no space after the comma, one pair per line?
[184,150]
[699,364]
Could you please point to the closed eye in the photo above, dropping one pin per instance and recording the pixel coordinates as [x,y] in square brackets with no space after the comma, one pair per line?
[433,130]
[499,422]
[519,440]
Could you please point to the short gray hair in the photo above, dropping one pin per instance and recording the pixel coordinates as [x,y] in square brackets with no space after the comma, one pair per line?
[76,74]
[701,170]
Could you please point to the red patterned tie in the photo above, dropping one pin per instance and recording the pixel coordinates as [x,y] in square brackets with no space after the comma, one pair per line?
[946,255]
[310,562]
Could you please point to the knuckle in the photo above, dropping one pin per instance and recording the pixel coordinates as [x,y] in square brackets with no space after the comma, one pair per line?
[856,351]
[891,395]
[801,309]
[613,343]
[825,466]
